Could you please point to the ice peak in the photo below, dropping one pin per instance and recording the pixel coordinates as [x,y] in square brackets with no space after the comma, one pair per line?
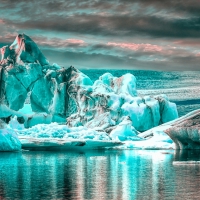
[23,50]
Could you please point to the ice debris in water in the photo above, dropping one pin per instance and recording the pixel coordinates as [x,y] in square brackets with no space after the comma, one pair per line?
[54,130]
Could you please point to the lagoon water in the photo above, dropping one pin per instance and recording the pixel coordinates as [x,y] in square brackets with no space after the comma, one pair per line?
[109,174]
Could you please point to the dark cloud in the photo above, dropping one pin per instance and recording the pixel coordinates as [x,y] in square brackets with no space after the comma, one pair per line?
[114,25]
[181,6]
[98,60]
[139,34]
[191,7]
[85,17]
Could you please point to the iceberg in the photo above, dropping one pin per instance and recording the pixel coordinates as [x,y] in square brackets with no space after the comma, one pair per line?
[155,138]
[106,112]
[102,105]
[56,93]
[185,131]
[182,133]
[8,138]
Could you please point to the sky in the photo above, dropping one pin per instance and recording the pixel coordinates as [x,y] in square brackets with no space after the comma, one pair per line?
[114,34]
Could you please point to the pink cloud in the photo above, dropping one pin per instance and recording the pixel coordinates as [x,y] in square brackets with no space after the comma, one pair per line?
[2,21]
[188,42]
[164,51]
[137,47]
[8,37]
[198,54]
[75,41]
[57,42]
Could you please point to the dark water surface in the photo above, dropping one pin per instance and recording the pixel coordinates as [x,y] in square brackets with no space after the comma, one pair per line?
[152,79]
[126,174]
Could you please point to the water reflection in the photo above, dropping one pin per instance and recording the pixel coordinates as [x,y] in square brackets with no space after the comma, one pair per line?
[96,175]
[187,155]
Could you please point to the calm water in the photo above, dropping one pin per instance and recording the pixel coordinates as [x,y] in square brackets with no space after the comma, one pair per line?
[98,175]
[108,175]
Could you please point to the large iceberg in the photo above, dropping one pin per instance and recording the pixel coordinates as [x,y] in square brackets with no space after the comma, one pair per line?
[26,75]
[37,92]
[103,106]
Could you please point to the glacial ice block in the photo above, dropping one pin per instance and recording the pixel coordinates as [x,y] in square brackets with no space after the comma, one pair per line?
[185,131]
[26,50]
[8,138]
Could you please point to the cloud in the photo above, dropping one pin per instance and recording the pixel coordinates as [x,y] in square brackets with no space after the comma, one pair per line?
[115,54]
[7,38]
[1,21]
[198,54]
[136,47]
[147,34]
[123,18]
[188,43]
[191,7]
[58,42]
[114,25]
[83,60]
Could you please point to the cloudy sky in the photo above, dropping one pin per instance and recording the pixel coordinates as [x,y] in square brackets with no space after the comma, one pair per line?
[120,34]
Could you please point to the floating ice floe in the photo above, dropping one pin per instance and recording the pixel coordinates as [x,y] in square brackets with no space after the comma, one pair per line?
[158,140]
[59,137]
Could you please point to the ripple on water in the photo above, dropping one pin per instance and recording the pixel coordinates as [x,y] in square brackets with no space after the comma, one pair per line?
[127,174]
